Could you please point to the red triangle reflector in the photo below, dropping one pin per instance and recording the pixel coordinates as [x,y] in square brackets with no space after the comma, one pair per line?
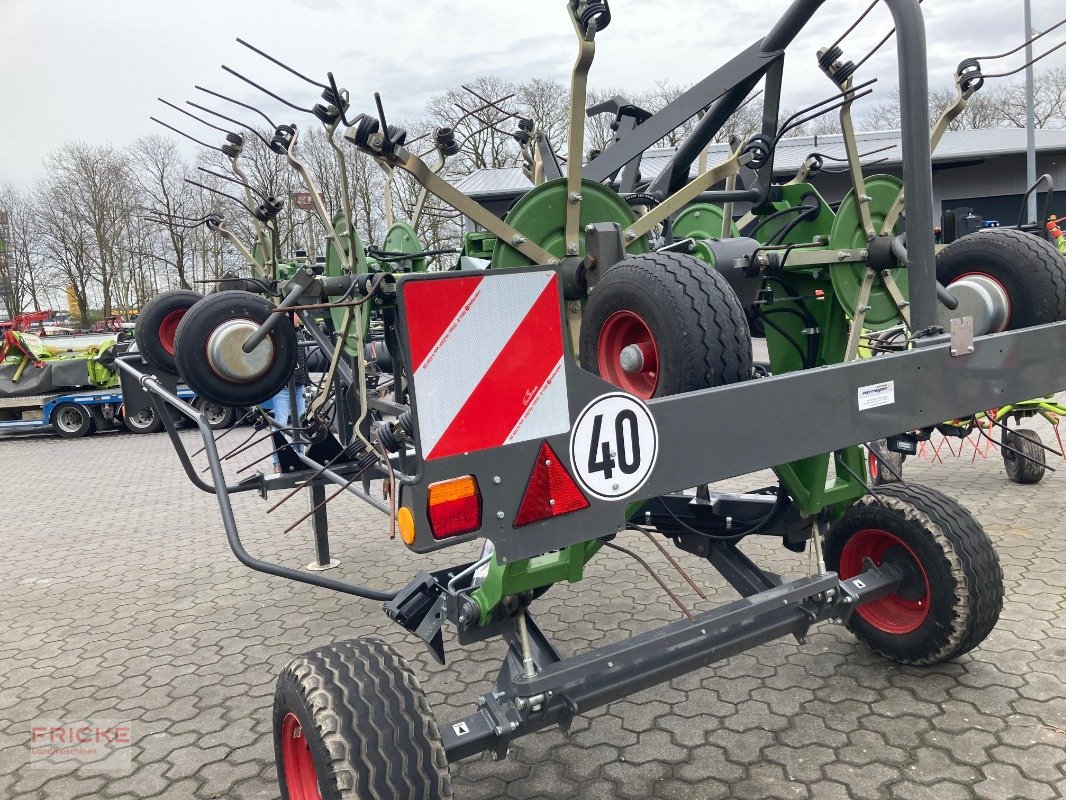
[551,492]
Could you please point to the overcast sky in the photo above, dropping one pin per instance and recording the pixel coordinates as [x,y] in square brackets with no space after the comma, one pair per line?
[92,69]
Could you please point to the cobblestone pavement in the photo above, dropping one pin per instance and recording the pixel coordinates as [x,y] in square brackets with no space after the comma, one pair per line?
[121,601]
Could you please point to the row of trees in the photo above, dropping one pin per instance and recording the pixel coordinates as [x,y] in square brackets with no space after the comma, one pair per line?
[90,226]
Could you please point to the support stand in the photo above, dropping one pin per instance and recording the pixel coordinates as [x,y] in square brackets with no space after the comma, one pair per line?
[320,526]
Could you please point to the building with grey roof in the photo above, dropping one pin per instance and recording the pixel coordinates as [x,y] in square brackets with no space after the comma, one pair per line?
[979,169]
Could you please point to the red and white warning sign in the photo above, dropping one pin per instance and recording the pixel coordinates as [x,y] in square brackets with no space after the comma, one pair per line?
[487,360]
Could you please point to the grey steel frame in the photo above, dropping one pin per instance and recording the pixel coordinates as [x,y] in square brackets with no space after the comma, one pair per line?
[160,397]
[933,383]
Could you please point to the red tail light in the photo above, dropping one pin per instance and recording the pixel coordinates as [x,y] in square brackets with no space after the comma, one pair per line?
[454,507]
[551,492]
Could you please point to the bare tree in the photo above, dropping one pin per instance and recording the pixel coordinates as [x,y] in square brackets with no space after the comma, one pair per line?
[159,174]
[999,105]
[16,255]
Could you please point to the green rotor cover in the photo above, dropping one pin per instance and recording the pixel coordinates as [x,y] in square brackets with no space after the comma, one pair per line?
[401,238]
[702,221]
[848,234]
[347,237]
[540,216]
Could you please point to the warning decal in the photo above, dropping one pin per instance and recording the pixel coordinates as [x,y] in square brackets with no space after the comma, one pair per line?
[487,360]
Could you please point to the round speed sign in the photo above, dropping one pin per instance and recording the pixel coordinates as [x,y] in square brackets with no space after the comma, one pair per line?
[613,446]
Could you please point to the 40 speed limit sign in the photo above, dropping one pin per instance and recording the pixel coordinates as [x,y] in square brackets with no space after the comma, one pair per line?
[613,446]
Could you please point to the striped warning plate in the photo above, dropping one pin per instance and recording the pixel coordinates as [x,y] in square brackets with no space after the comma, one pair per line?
[487,360]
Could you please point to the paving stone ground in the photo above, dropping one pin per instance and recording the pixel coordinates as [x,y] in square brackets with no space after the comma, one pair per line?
[121,601]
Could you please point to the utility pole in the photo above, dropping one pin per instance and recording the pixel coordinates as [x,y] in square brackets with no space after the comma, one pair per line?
[1030,104]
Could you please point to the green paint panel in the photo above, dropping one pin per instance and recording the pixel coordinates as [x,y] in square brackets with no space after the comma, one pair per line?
[805,232]
[505,580]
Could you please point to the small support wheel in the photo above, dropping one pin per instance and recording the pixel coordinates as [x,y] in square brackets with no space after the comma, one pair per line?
[953,593]
[210,354]
[665,323]
[883,465]
[72,421]
[351,722]
[1030,466]
[157,327]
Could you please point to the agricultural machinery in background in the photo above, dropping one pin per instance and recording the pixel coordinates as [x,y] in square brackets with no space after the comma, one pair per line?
[585,374]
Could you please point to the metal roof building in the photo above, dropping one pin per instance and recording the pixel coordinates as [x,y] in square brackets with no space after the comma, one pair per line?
[980,169]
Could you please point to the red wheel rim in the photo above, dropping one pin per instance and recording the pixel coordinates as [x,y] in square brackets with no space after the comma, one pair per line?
[168,328]
[301,779]
[621,330]
[999,283]
[874,466]
[893,613]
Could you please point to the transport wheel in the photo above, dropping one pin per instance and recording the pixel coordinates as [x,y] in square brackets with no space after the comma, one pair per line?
[665,323]
[953,592]
[351,721]
[1025,269]
[157,327]
[877,455]
[144,421]
[218,416]
[1029,467]
[210,354]
[72,421]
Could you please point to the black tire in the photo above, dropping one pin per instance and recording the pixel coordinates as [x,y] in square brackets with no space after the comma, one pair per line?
[1030,270]
[219,416]
[144,421]
[695,321]
[157,326]
[883,465]
[954,594]
[72,421]
[194,336]
[361,713]
[1030,466]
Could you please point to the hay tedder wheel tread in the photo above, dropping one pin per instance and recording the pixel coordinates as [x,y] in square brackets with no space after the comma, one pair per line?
[367,722]
[1028,468]
[1029,268]
[954,555]
[698,322]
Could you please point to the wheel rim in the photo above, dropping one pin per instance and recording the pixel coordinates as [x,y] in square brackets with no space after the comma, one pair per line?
[143,418]
[168,329]
[225,352]
[69,419]
[214,412]
[626,338]
[896,613]
[301,779]
[999,284]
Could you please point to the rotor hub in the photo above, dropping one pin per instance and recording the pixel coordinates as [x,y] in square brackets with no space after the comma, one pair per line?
[982,297]
[631,358]
[225,352]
